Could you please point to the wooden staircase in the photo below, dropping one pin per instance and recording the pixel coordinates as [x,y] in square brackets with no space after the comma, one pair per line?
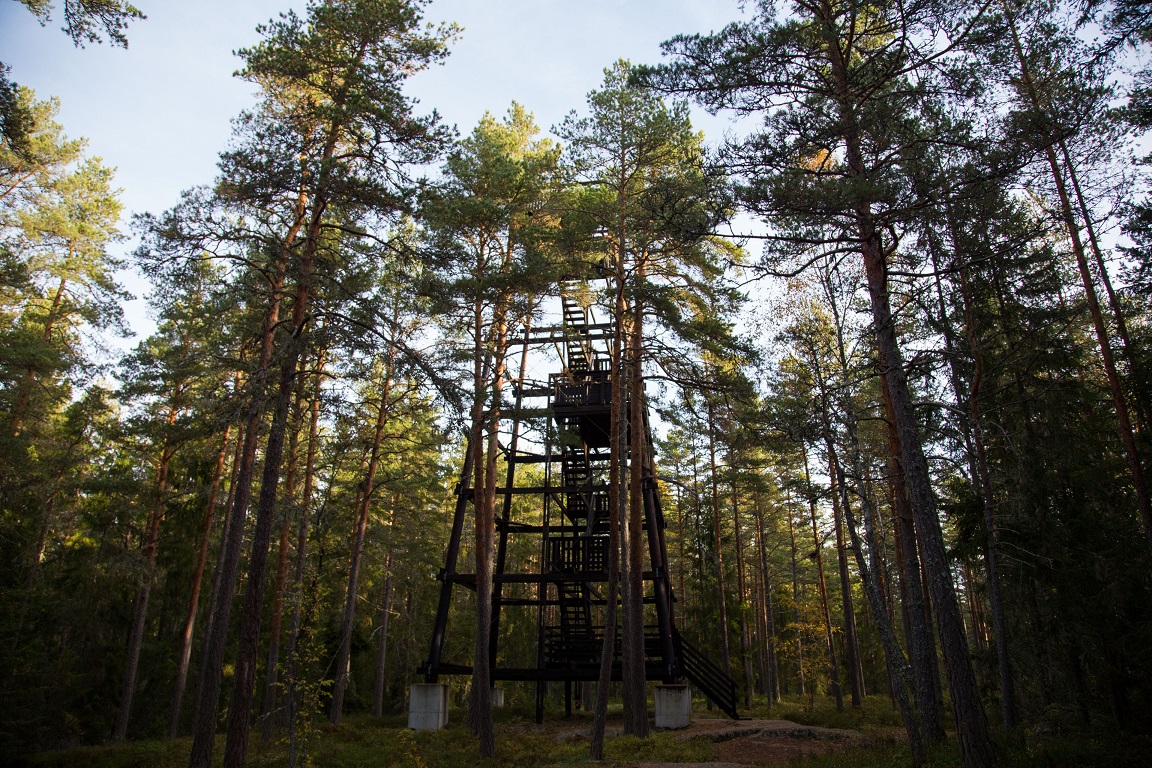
[566,593]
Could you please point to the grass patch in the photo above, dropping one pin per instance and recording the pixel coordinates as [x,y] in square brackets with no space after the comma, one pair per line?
[363,742]
[658,748]
[875,711]
[145,754]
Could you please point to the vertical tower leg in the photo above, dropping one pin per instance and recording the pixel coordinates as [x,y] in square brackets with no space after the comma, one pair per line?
[432,667]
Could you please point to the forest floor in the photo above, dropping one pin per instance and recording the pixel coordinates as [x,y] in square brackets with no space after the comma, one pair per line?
[805,732]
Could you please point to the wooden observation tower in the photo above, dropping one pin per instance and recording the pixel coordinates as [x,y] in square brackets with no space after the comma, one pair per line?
[564,527]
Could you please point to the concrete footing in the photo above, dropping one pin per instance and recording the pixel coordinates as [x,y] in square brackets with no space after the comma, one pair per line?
[673,706]
[427,706]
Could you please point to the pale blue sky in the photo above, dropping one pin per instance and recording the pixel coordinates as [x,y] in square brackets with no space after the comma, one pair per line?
[159,112]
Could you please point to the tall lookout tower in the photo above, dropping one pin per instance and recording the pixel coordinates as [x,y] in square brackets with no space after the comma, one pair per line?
[554,506]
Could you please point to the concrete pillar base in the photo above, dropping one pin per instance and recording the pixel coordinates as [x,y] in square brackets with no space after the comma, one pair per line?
[427,706]
[673,706]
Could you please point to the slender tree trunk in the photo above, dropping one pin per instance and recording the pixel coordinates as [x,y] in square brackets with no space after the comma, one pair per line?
[285,713]
[851,640]
[616,500]
[796,599]
[833,664]
[773,682]
[608,647]
[343,657]
[634,683]
[194,599]
[760,633]
[271,668]
[232,542]
[741,601]
[921,643]
[140,608]
[899,671]
[1140,395]
[717,543]
[236,746]
[1124,423]
[487,424]
[382,639]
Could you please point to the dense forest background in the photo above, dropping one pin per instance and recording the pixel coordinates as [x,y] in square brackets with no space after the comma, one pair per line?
[896,334]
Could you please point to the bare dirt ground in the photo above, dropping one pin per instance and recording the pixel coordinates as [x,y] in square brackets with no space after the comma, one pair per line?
[738,743]
[760,742]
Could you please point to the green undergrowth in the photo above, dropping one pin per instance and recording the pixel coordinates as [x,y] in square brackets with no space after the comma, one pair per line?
[874,712]
[363,742]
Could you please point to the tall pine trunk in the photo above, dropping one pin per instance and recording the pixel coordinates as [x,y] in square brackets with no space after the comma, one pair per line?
[976,745]
[343,656]
[899,671]
[921,642]
[272,666]
[236,746]
[796,601]
[634,683]
[232,542]
[285,714]
[616,436]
